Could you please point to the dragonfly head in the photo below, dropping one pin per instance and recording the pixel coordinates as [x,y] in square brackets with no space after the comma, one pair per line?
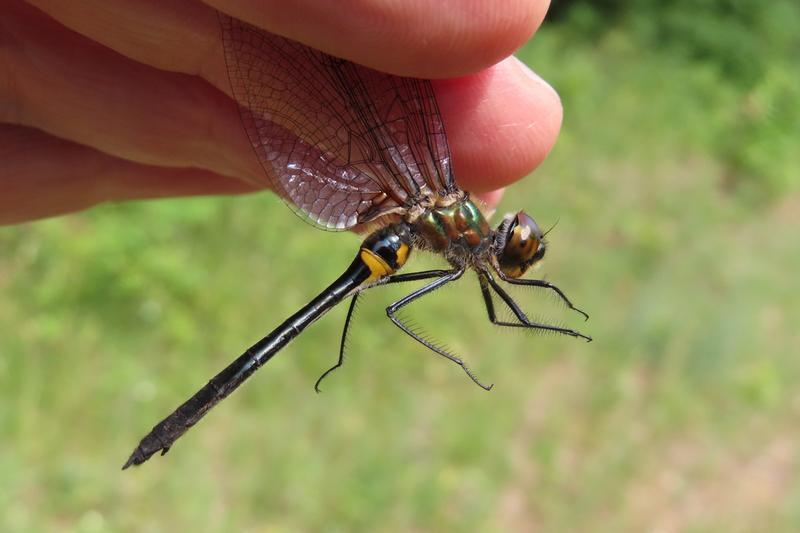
[519,244]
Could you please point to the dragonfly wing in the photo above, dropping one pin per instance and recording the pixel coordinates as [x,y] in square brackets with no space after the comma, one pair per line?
[341,143]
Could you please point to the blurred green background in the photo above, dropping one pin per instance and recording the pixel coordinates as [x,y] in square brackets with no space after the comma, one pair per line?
[675,184]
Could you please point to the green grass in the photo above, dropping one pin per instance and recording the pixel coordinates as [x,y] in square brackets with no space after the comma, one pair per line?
[680,416]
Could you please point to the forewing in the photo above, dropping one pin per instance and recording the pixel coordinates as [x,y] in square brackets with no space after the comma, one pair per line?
[342,143]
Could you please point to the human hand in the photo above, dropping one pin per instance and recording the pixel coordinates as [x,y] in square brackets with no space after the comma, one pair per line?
[109,100]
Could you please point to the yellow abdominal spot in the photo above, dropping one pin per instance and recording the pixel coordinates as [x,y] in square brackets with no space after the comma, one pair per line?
[377,266]
[402,255]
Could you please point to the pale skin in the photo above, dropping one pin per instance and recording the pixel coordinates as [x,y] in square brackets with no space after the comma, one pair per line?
[113,100]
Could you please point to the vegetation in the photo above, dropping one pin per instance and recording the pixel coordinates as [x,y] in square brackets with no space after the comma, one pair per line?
[675,184]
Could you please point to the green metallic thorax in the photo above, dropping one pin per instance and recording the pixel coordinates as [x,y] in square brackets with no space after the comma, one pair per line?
[460,225]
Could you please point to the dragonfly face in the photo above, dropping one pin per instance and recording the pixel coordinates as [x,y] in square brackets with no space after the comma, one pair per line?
[520,244]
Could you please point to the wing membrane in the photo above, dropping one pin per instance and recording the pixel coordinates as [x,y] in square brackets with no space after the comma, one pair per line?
[341,143]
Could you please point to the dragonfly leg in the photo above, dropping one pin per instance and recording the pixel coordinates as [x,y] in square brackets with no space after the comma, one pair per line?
[340,361]
[446,277]
[489,304]
[544,284]
[524,321]
[398,278]
[417,276]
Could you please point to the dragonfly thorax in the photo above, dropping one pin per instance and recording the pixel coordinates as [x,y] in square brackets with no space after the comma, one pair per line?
[458,229]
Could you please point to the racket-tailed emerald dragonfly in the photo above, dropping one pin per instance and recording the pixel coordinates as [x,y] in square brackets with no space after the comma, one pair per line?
[348,147]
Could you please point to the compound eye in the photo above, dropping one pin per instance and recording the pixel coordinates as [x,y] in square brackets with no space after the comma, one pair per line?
[524,246]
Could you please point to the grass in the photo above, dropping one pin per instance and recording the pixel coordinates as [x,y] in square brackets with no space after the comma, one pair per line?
[680,416]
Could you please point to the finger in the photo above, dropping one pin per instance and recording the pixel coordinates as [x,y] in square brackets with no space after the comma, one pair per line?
[501,124]
[77,90]
[422,38]
[45,176]
[417,38]
[491,199]
[177,36]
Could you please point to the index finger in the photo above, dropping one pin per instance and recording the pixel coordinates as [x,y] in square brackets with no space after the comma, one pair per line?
[418,38]
[501,122]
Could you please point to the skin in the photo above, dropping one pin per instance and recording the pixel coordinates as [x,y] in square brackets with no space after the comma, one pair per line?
[112,100]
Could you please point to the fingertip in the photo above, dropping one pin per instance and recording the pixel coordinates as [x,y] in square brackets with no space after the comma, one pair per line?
[491,198]
[501,124]
[411,38]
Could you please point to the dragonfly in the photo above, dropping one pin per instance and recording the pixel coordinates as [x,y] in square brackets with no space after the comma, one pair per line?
[350,148]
